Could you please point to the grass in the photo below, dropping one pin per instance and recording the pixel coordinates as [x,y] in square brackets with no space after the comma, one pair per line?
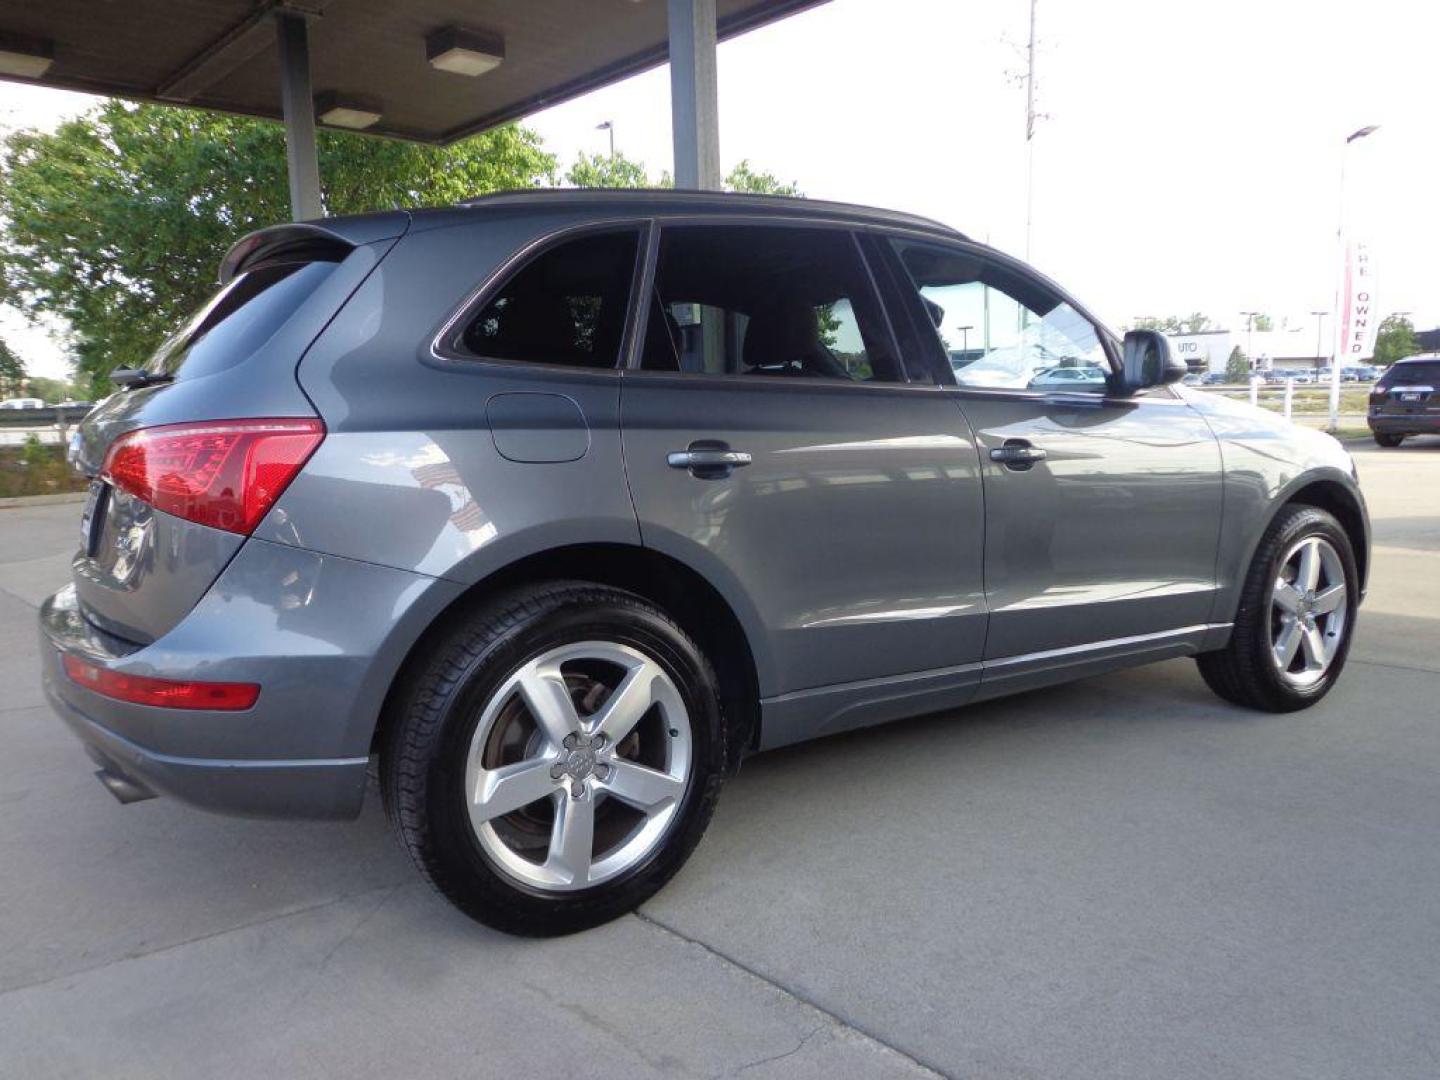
[1307,399]
[33,469]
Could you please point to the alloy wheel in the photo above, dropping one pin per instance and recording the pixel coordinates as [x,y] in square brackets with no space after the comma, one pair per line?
[578,765]
[1309,611]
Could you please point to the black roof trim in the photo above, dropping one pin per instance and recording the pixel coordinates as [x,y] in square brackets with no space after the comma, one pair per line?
[689,200]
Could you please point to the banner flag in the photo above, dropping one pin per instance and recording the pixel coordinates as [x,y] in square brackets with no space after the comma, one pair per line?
[1359,318]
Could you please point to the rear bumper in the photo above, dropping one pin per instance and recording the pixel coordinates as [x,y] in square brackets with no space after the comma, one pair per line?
[247,788]
[322,636]
[1405,424]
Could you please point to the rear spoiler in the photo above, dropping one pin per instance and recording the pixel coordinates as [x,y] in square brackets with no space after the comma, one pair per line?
[330,238]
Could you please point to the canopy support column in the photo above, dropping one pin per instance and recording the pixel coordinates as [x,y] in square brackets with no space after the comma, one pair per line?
[694,99]
[292,37]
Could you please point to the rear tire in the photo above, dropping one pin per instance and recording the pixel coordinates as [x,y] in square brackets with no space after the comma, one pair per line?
[502,783]
[1389,441]
[1289,643]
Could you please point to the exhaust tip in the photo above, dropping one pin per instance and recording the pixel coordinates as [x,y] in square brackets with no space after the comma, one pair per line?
[125,790]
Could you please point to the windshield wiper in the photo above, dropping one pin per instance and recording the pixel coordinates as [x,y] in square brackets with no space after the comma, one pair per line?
[135,378]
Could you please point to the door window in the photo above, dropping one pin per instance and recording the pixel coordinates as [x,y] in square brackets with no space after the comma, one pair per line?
[1000,329]
[565,306]
[767,302]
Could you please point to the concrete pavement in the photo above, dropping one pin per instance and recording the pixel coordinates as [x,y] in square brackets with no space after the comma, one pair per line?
[1120,878]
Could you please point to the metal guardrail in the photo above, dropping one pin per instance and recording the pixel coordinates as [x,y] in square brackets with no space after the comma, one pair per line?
[40,418]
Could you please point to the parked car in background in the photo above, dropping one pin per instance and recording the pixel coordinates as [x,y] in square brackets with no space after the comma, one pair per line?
[1214,378]
[1406,400]
[1193,379]
[1068,377]
[558,504]
[22,403]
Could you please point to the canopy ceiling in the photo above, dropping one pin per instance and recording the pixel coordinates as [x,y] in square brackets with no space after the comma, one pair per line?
[221,54]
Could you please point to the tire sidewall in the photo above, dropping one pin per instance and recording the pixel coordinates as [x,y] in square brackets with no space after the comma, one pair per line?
[499,898]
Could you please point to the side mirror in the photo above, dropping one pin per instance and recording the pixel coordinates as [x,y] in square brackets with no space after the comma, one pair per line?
[1149,362]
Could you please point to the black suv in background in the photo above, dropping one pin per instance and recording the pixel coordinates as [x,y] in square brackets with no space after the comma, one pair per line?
[1404,401]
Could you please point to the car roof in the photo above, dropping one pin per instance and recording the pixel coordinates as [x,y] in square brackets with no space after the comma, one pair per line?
[662,201]
[1420,358]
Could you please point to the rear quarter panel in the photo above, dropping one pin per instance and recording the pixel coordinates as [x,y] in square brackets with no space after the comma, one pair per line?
[410,474]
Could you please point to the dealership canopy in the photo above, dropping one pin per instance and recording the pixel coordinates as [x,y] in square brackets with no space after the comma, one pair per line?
[427,70]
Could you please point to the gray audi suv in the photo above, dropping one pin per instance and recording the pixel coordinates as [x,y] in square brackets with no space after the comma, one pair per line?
[556,505]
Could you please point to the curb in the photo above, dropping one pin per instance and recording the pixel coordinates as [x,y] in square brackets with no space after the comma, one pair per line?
[16,502]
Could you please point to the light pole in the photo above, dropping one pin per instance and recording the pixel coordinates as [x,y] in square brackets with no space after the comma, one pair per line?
[608,125]
[1030,130]
[1319,338]
[1342,327]
[965,339]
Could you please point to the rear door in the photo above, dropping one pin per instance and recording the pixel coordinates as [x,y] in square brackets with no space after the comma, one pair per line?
[774,442]
[1102,512]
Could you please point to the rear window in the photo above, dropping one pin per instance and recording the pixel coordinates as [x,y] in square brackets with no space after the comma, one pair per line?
[1426,374]
[239,319]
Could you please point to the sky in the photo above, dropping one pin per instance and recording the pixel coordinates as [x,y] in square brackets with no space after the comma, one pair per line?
[1189,156]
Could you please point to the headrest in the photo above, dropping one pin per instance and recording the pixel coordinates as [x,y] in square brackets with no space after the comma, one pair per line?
[784,332]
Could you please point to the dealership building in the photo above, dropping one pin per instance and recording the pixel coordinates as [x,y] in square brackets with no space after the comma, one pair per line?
[1290,348]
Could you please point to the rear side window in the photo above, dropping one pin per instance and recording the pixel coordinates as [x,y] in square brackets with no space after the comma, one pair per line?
[1424,374]
[239,319]
[565,306]
[767,301]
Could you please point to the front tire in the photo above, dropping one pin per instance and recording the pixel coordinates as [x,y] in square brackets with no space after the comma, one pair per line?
[1388,441]
[555,757]
[1296,616]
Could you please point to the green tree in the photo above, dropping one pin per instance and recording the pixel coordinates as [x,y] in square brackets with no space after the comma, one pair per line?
[50,391]
[1237,367]
[12,371]
[1194,323]
[745,179]
[604,171]
[1395,340]
[1261,321]
[117,220]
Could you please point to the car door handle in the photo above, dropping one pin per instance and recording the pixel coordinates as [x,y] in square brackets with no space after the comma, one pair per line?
[1017,454]
[708,462]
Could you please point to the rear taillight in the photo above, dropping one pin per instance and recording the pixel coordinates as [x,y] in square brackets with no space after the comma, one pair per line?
[222,473]
[168,693]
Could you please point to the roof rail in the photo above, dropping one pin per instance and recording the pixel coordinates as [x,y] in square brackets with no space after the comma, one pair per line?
[684,196]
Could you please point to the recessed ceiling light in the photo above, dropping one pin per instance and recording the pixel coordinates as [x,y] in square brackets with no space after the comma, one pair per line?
[347,111]
[28,57]
[464,52]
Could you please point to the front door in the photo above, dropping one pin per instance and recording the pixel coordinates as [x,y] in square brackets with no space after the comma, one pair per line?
[1102,512]
[773,442]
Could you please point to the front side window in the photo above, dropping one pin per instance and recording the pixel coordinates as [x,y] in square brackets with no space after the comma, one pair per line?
[999,329]
[767,302]
[565,306]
